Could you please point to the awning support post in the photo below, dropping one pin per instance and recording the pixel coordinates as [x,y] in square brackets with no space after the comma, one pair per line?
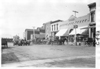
[75,37]
[75,41]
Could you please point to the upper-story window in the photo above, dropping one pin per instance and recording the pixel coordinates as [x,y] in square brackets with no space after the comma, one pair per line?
[52,27]
[57,26]
[92,16]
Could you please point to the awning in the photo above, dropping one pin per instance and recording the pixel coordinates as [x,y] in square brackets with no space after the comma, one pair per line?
[62,32]
[79,30]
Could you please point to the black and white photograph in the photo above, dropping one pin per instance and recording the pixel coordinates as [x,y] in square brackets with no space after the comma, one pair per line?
[49,33]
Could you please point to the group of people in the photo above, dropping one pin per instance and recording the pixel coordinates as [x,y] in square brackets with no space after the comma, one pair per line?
[62,40]
[57,40]
[22,42]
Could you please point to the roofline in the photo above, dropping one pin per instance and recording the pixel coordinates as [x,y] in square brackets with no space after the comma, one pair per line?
[55,21]
[92,4]
[28,29]
[83,15]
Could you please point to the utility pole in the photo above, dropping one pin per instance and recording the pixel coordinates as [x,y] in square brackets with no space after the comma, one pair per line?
[75,26]
[33,33]
[75,12]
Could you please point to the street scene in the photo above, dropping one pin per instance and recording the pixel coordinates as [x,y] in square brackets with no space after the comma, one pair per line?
[49,34]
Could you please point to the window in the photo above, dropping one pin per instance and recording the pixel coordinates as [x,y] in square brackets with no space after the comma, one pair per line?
[52,27]
[92,16]
[57,26]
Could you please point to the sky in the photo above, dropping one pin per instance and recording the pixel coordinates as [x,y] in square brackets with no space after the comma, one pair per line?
[18,15]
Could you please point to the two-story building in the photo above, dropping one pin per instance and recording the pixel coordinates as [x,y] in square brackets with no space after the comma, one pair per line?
[92,28]
[55,27]
[68,25]
[66,28]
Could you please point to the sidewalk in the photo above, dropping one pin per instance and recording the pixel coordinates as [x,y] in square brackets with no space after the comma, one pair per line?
[39,62]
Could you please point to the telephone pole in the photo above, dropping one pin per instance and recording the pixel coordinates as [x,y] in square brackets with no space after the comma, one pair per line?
[33,33]
[75,26]
[75,12]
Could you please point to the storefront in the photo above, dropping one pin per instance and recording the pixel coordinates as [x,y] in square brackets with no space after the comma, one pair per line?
[78,34]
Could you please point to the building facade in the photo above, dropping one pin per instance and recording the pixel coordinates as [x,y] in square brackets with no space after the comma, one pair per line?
[55,27]
[67,28]
[28,34]
[92,28]
[47,27]
[31,34]
[79,21]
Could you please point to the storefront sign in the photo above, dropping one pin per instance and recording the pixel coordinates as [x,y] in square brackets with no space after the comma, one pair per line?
[75,26]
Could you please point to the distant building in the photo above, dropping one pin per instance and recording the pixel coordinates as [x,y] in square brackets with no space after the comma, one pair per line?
[5,42]
[28,34]
[47,27]
[38,33]
[41,32]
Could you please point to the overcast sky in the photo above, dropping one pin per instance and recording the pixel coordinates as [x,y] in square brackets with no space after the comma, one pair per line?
[17,15]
